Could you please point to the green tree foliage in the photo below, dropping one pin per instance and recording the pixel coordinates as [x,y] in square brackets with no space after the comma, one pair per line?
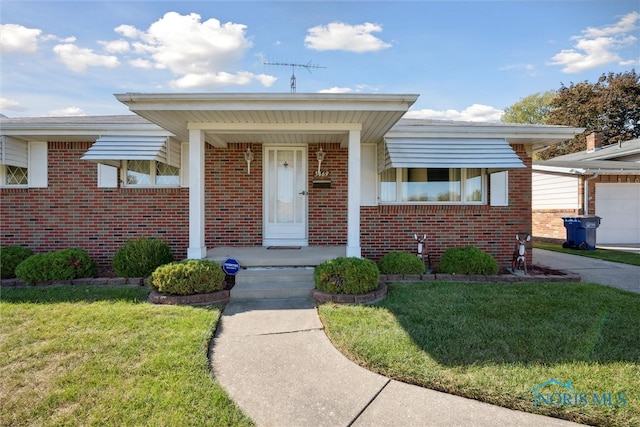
[533,109]
[610,106]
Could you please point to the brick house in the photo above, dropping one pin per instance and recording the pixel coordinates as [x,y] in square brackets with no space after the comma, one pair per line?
[208,170]
[600,181]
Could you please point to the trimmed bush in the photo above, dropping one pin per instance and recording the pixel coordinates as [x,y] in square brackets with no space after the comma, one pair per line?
[467,260]
[66,264]
[10,258]
[346,275]
[188,277]
[140,257]
[401,263]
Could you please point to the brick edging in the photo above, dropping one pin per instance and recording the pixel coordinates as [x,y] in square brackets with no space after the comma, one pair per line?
[88,281]
[555,276]
[370,297]
[218,298]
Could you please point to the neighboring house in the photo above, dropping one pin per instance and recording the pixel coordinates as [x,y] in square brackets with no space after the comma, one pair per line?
[209,170]
[601,181]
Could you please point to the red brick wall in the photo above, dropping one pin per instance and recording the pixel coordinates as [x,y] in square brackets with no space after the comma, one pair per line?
[328,206]
[548,223]
[490,228]
[73,212]
[233,199]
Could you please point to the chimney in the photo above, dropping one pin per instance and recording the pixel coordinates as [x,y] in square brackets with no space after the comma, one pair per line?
[594,142]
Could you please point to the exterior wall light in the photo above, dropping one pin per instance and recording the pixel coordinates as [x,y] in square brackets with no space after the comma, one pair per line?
[320,155]
[248,157]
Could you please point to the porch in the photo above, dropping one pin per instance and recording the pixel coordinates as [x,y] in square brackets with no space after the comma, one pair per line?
[278,256]
[274,272]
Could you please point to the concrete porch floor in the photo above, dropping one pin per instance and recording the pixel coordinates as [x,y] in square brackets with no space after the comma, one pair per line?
[260,256]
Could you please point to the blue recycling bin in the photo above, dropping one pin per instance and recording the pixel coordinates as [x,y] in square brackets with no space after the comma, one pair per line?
[581,232]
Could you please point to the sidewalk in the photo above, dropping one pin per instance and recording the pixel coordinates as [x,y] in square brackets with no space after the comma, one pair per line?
[276,363]
[621,276]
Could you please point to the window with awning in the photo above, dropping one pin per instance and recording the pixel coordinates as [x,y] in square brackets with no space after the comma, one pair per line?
[490,154]
[112,150]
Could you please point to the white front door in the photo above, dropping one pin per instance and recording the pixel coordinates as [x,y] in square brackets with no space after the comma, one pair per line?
[285,196]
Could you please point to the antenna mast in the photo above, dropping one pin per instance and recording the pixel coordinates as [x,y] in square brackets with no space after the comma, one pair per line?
[308,66]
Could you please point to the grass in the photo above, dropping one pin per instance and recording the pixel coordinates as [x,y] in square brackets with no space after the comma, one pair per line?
[76,355]
[604,254]
[496,342]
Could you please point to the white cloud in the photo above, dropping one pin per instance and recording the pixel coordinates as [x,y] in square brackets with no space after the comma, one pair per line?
[341,36]
[598,46]
[66,112]
[626,24]
[474,113]
[336,90]
[79,59]
[7,104]
[18,39]
[212,80]
[128,31]
[141,63]
[201,53]
[529,69]
[116,46]
[266,79]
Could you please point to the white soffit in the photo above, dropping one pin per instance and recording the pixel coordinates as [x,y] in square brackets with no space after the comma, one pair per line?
[177,113]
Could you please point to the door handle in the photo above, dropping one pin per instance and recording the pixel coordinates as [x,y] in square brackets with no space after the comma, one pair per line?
[303,192]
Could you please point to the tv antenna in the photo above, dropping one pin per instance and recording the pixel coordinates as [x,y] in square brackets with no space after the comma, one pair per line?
[308,66]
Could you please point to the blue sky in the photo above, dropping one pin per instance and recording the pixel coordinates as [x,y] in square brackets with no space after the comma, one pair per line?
[468,60]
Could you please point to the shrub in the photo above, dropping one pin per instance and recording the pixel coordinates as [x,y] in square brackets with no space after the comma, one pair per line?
[66,264]
[346,275]
[401,263]
[188,277]
[467,260]
[140,257]
[10,258]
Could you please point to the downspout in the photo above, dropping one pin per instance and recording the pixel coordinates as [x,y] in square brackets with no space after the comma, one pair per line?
[585,202]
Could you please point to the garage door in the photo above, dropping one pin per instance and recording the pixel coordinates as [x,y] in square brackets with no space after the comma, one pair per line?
[619,207]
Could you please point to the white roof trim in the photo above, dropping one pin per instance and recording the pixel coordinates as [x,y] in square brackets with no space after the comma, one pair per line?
[493,154]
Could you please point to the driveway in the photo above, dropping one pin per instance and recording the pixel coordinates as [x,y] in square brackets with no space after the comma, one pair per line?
[621,276]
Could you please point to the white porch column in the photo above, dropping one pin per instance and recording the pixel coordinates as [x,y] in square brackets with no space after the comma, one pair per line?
[353,202]
[197,249]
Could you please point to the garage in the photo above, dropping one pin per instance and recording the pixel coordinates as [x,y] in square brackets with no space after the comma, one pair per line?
[618,204]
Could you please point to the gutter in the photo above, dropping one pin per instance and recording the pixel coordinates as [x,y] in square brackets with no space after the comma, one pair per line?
[585,202]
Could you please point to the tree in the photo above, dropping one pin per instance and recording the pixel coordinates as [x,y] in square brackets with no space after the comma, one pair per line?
[534,109]
[610,106]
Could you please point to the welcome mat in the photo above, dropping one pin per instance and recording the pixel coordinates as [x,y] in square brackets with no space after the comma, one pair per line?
[283,247]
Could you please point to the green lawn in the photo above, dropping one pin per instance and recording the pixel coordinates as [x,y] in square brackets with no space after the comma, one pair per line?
[496,342]
[605,254]
[76,355]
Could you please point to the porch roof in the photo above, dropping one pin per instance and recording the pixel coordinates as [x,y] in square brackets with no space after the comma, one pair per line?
[271,117]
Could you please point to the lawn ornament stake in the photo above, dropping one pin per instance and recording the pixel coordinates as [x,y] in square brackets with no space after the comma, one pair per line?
[421,249]
[520,254]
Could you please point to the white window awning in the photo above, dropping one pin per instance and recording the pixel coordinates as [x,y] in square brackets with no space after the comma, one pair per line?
[492,154]
[111,150]
[13,152]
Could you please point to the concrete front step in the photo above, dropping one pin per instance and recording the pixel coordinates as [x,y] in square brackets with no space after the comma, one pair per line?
[266,283]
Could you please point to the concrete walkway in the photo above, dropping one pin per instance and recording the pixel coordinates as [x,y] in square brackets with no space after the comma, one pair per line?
[276,363]
[622,276]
